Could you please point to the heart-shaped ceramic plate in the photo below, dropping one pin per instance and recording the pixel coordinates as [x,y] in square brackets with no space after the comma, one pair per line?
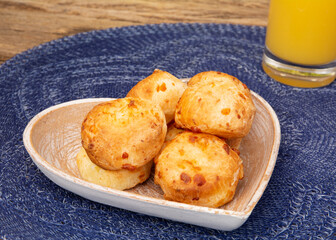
[52,138]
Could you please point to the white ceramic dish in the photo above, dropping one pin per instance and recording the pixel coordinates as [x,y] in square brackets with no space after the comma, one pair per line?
[52,138]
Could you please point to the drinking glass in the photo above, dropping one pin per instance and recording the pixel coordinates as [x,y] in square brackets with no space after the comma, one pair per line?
[300,47]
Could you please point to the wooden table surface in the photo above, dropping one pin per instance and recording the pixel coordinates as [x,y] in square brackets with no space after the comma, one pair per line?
[28,23]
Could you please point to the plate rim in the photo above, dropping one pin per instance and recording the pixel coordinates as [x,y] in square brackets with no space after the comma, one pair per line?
[243,215]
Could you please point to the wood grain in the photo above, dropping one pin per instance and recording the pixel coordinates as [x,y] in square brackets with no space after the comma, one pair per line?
[28,23]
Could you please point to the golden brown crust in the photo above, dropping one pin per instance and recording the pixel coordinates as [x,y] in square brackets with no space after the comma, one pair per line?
[123,133]
[117,179]
[199,169]
[163,89]
[172,132]
[216,103]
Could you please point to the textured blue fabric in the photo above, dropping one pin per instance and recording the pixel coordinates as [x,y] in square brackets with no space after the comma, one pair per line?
[299,202]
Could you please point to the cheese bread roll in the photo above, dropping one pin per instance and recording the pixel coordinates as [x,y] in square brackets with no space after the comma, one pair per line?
[123,133]
[199,169]
[216,103]
[163,89]
[173,131]
[116,179]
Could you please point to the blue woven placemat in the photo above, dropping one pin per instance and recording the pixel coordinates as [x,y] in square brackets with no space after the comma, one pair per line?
[299,202]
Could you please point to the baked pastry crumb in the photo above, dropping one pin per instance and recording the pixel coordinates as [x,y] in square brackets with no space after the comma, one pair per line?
[199,169]
[163,89]
[216,103]
[116,179]
[124,133]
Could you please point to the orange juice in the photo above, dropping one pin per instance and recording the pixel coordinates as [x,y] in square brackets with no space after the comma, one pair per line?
[302,31]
